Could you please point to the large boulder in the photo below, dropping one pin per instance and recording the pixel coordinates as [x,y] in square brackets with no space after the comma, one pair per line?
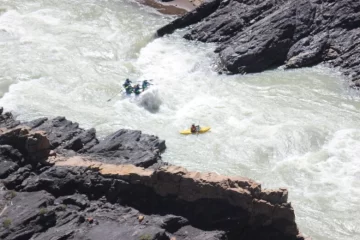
[32,144]
[128,146]
[7,120]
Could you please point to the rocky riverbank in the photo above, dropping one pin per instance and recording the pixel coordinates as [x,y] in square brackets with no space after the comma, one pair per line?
[254,35]
[59,181]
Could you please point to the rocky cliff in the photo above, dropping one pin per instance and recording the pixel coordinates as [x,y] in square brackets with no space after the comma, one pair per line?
[256,35]
[59,181]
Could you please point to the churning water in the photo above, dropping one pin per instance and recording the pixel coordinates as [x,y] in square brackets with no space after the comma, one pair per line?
[297,129]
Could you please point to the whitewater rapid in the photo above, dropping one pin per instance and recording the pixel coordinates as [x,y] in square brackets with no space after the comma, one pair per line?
[297,129]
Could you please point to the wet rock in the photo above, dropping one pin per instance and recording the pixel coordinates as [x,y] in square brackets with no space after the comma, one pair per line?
[7,120]
[66,138]
[254,36]
[192,17]
[83,141]
[59,130]
[127,146]
[278,196]
[267,44]
[35,123]
[308,51]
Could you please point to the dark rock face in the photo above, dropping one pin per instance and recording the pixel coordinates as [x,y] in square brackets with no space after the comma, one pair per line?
[7,120]
[30,215]
[59,130]
[255,35]
[67,138]
[10,159]
[83,142]
[130,146]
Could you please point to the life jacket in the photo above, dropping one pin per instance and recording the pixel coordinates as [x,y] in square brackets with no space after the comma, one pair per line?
[137,90]
[128,89]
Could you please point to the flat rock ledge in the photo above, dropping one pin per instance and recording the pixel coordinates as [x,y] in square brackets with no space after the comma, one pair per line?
[83,188]
[256,35]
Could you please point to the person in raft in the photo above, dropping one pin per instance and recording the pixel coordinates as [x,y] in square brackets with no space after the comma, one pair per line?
[127,83]
[127,86]
[194,129]
[137,89]
[145,85]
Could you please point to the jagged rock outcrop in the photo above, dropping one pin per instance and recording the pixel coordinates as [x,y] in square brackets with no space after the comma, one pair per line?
[67,138]
[256,35]
[7,120]
[33,144]
[81,195]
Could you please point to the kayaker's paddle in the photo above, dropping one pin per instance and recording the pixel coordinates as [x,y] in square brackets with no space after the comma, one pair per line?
[115,95]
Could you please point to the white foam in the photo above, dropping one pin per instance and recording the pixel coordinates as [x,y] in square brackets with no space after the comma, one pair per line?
[150,100]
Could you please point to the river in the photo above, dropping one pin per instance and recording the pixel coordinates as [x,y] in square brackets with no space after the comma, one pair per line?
[297,129]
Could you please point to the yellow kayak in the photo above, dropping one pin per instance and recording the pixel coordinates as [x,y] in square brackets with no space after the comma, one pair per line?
[202,130]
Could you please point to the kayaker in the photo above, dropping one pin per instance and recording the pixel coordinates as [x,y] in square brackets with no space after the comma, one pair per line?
[193,128]
[137,89]
[145,84]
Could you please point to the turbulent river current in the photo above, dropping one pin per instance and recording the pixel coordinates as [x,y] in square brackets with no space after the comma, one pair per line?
[297,129]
